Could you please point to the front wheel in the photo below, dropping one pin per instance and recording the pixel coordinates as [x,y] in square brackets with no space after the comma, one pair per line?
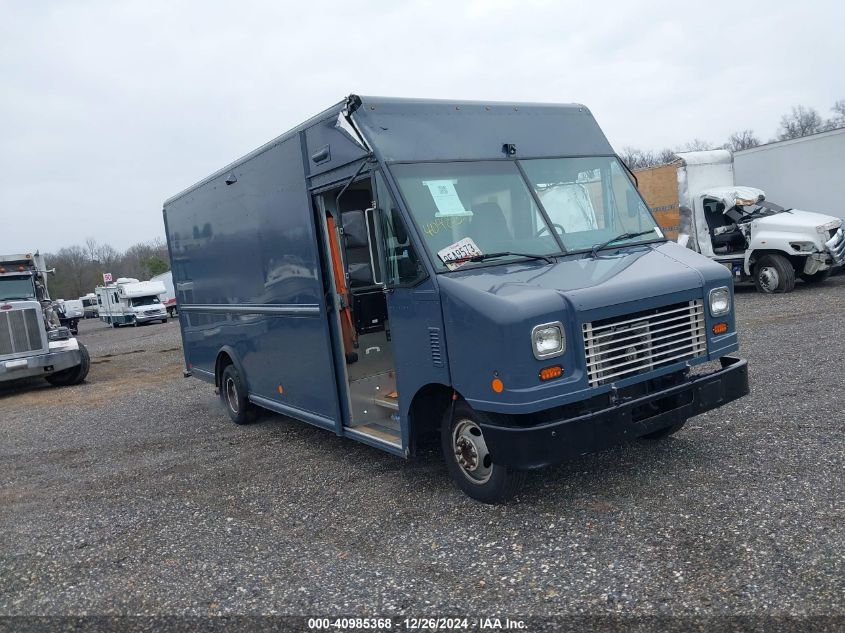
[469,462]
[816,277]
[74,375]
[774,273]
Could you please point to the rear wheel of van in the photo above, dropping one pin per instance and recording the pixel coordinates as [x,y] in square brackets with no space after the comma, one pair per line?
[469,462]
[233,395]
[774,274]
[74,375]
[817,277]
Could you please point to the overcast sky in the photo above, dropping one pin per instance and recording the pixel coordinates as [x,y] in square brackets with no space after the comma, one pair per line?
[110,107]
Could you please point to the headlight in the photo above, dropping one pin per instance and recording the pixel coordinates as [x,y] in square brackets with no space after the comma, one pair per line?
[547,340]
[58,334]
[720,301]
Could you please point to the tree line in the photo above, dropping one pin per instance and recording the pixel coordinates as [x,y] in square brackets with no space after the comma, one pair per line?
[799,121]
[80,268]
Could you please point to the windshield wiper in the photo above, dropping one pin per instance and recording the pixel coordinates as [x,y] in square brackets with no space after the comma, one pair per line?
[486,256]
[623,236]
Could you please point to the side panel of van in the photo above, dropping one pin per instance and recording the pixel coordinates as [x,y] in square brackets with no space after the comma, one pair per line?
[247,275]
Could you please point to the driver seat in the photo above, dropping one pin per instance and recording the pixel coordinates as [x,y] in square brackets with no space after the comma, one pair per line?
[489,221]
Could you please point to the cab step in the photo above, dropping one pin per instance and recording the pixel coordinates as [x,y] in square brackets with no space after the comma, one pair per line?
[389,401]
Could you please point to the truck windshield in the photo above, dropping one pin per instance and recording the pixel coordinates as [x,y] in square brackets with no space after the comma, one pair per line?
[474,208]
[145,301]
[16,288]
[590,201]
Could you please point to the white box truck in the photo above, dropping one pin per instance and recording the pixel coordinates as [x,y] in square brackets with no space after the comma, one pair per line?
[804,172]
[169,297]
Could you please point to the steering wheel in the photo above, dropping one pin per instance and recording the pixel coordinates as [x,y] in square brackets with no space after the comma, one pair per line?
[546,228]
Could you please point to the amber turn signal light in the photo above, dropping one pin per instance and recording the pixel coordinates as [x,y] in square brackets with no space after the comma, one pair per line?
[497,385]
[720,328]
[547,373]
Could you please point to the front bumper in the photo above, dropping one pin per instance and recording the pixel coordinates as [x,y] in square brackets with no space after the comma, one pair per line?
[143,318]
[553,442]
[41,365]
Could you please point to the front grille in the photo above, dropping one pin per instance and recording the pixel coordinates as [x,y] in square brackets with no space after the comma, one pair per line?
[836,245]
[632,344]
[20,331]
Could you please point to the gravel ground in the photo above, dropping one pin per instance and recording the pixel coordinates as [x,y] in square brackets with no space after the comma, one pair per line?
[134,494]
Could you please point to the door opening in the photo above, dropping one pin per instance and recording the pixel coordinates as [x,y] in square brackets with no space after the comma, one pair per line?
[356,266]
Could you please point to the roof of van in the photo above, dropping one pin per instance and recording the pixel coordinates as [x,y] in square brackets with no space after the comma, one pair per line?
[429,129]
[399,129]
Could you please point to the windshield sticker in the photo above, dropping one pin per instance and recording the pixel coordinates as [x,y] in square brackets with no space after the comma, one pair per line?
[446,198]
[461,249]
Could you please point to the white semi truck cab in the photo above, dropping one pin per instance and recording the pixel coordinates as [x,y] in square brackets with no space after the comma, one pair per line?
[752,236]
[32,340]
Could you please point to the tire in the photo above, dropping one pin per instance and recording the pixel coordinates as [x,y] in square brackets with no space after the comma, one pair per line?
[665,432]
[774,274]
[817,277]
[164,321]
[74,375]
[233,397]
[474,472]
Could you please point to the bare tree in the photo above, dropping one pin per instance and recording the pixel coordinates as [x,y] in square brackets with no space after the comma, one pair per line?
[838,119]
[666,156]
[79,269]
[639,159]
[742,140]
[697,145]
[72,273]
[800,122]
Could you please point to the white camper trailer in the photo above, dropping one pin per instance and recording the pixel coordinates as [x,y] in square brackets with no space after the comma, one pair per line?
[131,302]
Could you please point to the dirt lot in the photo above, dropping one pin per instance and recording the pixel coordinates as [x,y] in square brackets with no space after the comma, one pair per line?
[134,494]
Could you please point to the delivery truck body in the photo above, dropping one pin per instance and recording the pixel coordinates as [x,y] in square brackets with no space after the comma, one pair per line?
[484,271]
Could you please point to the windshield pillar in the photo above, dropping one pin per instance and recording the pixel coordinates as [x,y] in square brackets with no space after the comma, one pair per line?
[540,206]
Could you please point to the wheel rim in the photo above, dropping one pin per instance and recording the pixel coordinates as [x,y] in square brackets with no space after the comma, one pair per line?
[471,452]
[232,395]
[769,278]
